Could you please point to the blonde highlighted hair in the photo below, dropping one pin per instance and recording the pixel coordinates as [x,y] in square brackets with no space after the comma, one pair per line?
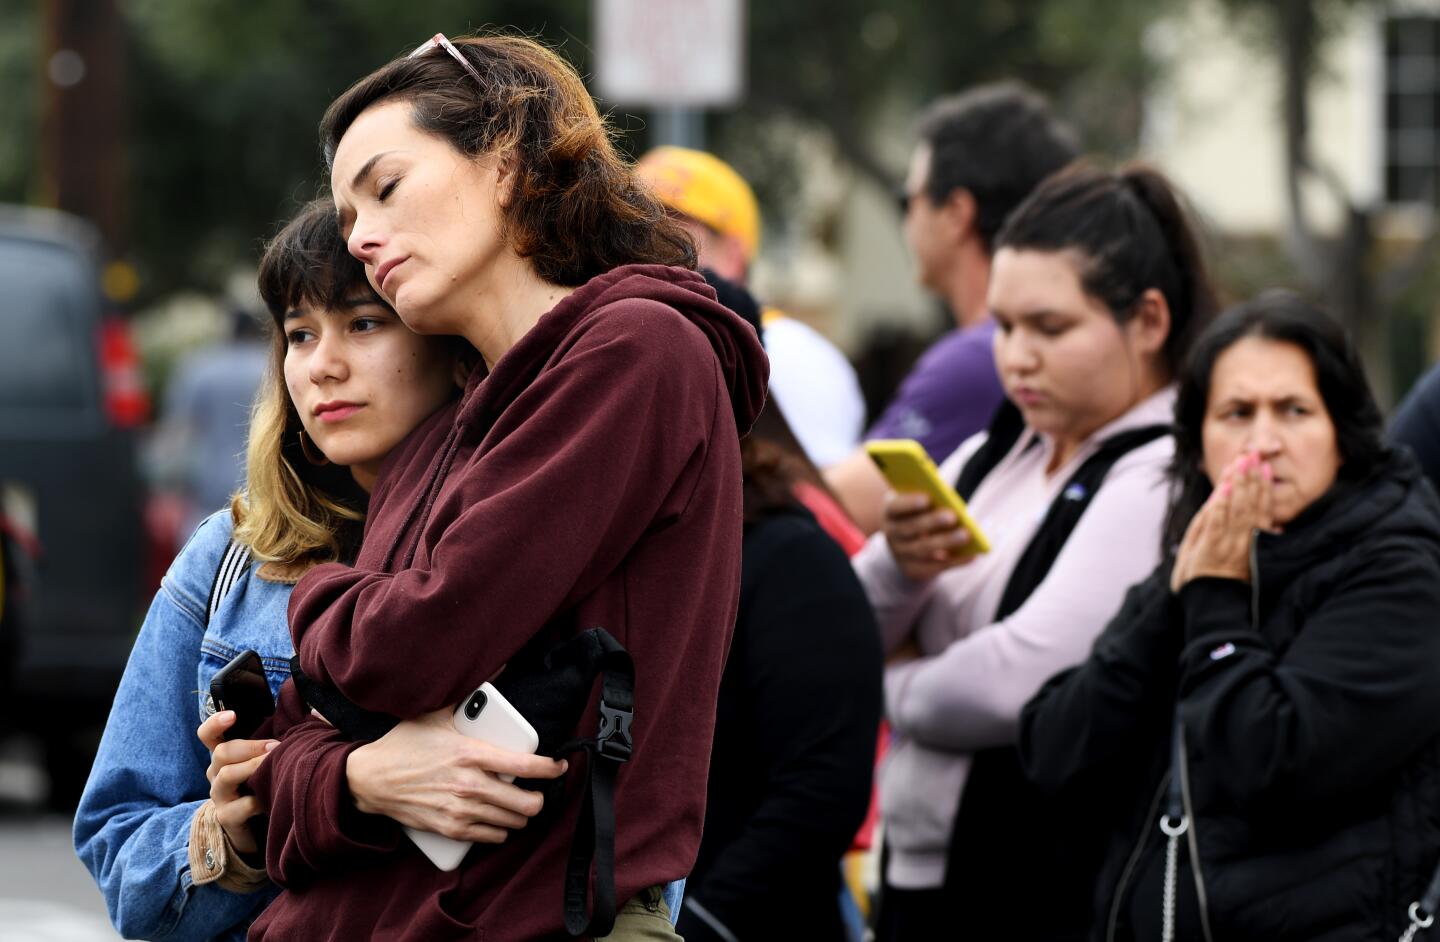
[285,515]
[294,513]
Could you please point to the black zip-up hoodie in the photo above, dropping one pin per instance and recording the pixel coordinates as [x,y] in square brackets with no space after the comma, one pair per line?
[1309,700]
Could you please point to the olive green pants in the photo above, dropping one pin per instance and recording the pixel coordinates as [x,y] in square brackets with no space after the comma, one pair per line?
[645,918]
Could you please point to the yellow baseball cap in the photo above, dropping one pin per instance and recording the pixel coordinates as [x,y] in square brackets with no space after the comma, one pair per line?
[705,188]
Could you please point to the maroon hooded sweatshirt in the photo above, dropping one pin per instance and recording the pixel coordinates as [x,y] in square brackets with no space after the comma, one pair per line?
[592,479]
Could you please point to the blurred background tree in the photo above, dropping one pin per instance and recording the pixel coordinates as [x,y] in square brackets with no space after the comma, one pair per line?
[842,64]
[1379,292]
[222,100]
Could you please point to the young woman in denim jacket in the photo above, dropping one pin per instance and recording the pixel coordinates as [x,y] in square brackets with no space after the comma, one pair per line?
[163,853]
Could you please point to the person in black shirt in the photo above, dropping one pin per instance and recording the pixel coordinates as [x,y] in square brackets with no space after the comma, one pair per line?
[799,708]
[1417,424]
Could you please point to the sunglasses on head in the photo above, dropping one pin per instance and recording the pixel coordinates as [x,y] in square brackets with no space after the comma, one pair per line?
[438,41]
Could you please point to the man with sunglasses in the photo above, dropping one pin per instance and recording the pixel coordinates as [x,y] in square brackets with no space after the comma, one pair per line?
[979,154]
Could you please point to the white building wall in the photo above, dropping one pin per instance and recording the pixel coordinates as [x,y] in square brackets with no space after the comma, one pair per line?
[1214,122]
[862,276]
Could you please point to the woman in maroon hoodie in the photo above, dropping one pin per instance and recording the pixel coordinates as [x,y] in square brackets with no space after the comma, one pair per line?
[590,478]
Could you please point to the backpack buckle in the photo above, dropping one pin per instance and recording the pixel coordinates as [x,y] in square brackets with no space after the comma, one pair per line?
[614,740]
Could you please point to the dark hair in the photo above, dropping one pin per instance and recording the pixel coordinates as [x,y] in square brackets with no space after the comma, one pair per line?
[1132,233]
[997,142]
[308,263]
[1287,318]
[577,208]
[293,511]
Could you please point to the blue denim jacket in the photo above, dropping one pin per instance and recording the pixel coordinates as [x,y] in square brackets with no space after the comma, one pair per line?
[132,828]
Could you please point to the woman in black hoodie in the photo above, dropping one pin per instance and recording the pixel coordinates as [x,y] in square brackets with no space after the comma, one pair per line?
[1264,710]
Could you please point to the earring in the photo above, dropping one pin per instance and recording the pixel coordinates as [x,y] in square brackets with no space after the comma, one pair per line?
[312,454]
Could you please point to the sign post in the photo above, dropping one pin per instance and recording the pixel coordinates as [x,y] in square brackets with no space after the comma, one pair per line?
[675,57]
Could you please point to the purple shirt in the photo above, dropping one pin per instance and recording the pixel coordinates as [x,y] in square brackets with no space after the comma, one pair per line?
[949,395]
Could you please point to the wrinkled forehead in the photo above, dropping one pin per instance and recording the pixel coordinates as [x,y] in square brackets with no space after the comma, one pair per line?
[1256,368]
[381,131]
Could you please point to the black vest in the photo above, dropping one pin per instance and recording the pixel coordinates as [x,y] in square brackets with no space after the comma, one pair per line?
[1022,864]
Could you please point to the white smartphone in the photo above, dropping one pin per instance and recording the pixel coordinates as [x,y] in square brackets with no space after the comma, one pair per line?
[487,716]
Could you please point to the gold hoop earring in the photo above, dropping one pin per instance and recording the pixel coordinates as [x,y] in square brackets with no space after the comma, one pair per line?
[311,453]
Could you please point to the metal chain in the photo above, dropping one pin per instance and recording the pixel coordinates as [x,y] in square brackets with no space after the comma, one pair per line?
[1172,868]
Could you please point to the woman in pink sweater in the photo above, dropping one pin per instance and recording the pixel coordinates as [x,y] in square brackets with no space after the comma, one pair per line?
[1098,284]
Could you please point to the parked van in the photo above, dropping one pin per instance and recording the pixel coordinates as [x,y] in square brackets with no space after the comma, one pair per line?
[68,469]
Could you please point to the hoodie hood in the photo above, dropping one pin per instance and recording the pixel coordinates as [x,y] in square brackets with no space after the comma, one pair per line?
[736,344]
[1394,501]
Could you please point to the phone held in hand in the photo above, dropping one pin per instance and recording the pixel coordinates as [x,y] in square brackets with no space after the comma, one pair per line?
[909,470]
[487,716]
[241,686]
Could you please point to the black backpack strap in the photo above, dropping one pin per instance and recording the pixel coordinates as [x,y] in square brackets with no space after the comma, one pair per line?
[354,722]
[594,840]
[233,564]
[1007,830]
[1004,430]
[1065,512]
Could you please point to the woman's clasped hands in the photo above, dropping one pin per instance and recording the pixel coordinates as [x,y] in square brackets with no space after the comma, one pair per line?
[1217,542]
[427,776]
[422,774]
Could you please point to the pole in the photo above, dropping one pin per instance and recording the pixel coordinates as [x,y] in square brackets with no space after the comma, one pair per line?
[82,137]
[680,126]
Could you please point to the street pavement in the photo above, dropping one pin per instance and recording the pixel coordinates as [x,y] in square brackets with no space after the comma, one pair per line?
[45,894]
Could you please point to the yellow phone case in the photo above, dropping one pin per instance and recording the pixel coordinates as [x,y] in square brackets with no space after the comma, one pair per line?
[909,470]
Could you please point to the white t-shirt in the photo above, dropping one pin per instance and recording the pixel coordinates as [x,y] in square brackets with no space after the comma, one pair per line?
[816,388]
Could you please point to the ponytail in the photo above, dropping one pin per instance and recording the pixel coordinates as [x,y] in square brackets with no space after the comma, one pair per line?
[1194,302]
[1134,233]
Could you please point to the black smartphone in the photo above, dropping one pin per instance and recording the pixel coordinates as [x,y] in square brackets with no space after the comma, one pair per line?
[241,686]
